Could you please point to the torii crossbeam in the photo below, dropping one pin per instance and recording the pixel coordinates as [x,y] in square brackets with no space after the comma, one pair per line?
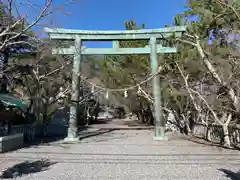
[87,35]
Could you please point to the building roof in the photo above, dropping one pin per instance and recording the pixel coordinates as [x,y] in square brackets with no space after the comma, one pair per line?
[10,100]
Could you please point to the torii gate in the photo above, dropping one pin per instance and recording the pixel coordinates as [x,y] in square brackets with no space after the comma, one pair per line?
[87,35]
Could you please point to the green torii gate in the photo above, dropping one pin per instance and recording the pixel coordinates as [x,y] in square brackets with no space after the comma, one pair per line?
[86,35]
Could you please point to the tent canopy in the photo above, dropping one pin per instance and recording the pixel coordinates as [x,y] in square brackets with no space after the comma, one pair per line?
[10,100]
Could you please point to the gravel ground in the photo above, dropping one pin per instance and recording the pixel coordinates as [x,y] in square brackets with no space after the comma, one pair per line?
[123,155]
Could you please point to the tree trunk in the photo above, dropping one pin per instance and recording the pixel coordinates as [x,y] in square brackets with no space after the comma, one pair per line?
[140,116]
[235,137]
[150,118]
[96,111]
[226,136]
[208,134]
[188,129]
[45,119]
[232,96]
[38,104]
[88,117]
[3,64]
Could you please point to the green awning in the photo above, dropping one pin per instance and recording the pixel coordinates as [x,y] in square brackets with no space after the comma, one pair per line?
[10,100]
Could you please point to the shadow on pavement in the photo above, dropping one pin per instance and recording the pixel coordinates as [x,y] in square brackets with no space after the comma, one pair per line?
[43,140]
[103,121]
[26,167]
[202,141]
[49,139]
[98,132]
[230,174]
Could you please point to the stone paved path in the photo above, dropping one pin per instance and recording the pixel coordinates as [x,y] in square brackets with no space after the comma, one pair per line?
[121,155]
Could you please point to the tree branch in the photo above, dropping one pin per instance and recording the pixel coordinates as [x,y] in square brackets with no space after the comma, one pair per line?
[54,71]
[213,71]
[229,6]
[41,15]
[185,79]
[208,106]
[60,95]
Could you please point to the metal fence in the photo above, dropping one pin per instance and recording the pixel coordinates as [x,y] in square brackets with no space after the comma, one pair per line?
[32,132]
[215,132]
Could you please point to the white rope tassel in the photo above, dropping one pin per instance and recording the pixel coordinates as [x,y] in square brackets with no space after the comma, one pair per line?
[139,90]
[92,91]
[106,96]
[125,94]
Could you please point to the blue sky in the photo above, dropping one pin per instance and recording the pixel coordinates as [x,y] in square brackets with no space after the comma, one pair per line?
[110,14]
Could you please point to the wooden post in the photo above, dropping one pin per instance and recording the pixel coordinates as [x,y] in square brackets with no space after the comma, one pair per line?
[72,128]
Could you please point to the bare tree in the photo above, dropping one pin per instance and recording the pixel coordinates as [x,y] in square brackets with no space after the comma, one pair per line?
[31,69]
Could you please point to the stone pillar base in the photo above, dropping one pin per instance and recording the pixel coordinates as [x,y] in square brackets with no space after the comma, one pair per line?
[160,138]
[159,134]
[71,140]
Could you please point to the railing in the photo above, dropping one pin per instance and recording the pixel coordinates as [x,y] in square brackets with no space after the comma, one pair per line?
[215,132]
[31,132]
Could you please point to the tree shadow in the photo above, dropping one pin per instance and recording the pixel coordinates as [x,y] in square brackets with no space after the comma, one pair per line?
[44,141]
[98,132]
[203,141]
[26,167]
[136,123]
[102,121]
[230,174]
[49,139]
[109,136]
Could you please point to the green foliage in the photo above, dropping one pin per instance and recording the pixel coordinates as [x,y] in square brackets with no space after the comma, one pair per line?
[127,70]
[23,68]
[26,42]
[212,17]
[2,6]
[220,21]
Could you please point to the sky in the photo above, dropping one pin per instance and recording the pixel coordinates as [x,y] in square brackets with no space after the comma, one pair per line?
[111,14]
[107,14]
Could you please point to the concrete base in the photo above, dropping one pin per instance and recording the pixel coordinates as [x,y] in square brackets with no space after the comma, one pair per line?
[159,133]
[71,140]
[11,142]
[160,138]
